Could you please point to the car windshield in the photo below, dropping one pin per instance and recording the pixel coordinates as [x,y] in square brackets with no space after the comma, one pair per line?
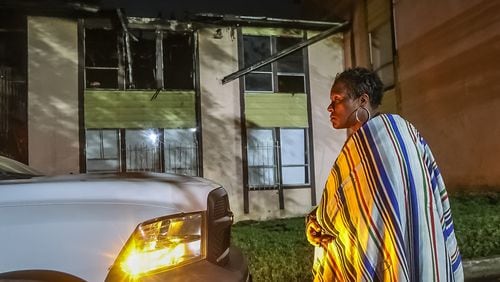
[11,169]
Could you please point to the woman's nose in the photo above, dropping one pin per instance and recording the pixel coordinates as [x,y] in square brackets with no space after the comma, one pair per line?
[330,108]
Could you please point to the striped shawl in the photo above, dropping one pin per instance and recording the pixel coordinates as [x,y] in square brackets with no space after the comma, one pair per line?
[386,207]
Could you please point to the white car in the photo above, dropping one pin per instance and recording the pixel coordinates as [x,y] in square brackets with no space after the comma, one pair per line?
[114,227]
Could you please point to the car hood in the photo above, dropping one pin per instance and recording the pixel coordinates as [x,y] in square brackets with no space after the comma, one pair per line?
[78,224]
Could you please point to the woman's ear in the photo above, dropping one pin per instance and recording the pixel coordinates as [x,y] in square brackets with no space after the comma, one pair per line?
[365,99]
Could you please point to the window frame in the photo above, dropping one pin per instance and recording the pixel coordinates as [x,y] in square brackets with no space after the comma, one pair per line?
[278,163]
[275,74]
[101,150]
[159,146]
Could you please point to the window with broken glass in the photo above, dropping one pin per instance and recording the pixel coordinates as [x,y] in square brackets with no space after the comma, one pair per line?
[148,59]
[286,75]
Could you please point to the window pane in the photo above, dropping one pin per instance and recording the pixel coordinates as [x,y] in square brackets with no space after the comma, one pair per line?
[93,150]
[259,82]
[107,165]
[110,143]
[178,50]
[381,53]
[260,147]
[294,158]
[181,151]
[261,177]
[102,143]
[102,78]
[261,158]
[292,63]
[102,150]
[142,150]
[294,175]
[101,48]
[293,149]
[144,59]
[291,84]
[255,49]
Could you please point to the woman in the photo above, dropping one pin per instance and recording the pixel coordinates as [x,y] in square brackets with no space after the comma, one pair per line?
[384,214]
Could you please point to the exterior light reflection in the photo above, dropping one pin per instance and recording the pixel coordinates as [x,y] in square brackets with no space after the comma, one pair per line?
[153,137]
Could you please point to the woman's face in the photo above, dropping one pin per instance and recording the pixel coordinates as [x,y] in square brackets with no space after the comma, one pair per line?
[342,108]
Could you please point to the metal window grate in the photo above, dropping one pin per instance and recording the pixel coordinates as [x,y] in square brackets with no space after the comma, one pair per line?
[263,166]
[141,157]
[181,159]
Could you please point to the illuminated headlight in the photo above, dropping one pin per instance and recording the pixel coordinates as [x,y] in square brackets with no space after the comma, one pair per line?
[163,243]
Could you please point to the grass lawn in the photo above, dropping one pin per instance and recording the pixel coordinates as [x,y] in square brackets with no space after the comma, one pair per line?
[277,250]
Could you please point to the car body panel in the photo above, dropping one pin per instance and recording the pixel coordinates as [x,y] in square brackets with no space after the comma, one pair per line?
[77,224]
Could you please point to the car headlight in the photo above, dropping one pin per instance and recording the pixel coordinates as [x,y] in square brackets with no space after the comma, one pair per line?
[163,243]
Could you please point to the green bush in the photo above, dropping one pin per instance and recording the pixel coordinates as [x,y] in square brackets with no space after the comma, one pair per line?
[477,223]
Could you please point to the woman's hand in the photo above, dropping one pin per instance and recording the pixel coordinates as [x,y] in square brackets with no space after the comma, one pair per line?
[314,232]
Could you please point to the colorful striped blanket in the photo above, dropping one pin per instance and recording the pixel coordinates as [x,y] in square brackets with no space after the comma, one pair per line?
[386,207]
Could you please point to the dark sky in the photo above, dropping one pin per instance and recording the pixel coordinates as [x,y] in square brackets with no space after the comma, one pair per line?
[316,10]
[177,9]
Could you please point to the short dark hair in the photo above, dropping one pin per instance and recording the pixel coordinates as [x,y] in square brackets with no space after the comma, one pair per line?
[361,80]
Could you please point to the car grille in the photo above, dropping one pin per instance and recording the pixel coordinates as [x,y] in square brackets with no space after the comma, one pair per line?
[219,221]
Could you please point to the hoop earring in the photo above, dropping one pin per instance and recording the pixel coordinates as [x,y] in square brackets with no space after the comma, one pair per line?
[367,111]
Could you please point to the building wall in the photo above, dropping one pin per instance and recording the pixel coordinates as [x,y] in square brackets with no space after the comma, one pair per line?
[449,84]
[53,112]
[220,113]
[53,138]
[326,59]
[221,130]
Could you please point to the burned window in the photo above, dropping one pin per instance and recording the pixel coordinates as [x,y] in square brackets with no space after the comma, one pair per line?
[13,90]
[144,59]
[101,58]
[285,75]
[178,53]
[153,59]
